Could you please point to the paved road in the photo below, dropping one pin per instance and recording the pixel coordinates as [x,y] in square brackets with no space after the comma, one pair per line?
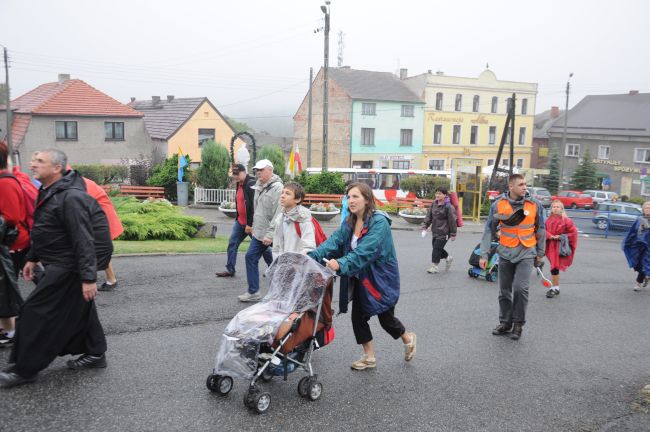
[578,367]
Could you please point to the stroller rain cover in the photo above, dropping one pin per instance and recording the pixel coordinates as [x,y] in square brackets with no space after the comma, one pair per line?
[296,284]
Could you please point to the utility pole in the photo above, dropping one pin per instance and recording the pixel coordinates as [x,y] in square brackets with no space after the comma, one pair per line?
[326,10]
[311,80]
[10,150]
[566,119]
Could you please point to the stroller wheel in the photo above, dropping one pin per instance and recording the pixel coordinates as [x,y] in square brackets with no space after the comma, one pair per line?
[249,399]
[262,402]
[219,384]
[315,391]
[303,386]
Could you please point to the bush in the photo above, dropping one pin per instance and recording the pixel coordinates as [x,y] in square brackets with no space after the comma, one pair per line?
[103,174]
[635,200]
[166,175]
[424,186]
[275,154]
[215,163]
[156,220]
[323,183]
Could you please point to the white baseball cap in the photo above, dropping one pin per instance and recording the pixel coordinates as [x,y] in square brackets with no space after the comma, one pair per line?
[264,163]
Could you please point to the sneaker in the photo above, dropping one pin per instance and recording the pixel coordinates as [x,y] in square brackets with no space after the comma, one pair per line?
[248,297]
[638,287]
[556,291]
[225,274]
[107,286]
[364,362]
[516,331]
[550,293]
[502,329]
[448,261]
[433,269]
[87,361]
[12,379]
[6,341]
[409,348]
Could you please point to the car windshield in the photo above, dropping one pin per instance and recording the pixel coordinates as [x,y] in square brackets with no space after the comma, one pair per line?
[542,192]
[583,195]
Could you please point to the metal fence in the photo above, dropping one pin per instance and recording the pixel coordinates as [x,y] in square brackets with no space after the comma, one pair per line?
[213,196]
[600,223]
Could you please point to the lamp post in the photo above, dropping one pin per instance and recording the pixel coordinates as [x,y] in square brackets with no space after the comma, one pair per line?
[566,119]
[326,10]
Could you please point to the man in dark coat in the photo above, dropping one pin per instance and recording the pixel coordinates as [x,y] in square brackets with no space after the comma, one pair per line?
[71,239]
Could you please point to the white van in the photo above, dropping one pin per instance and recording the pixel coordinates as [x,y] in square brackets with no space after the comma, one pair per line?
[602,196]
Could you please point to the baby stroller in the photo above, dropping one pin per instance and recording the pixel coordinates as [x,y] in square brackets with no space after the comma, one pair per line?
[279,334]
[491,272]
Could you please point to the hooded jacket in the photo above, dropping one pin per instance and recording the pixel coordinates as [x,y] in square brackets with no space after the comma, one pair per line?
[70,229]
[373,262]
[636,245]
[286,237]
[442,219]
[267,207]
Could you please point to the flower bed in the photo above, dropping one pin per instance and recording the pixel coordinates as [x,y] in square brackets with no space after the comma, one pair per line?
[324,212]
[413,215]
[228,208]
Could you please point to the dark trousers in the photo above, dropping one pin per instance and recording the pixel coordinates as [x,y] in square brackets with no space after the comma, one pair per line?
[360,326]
[514,281]
[237,236]
[640,278]
[438,251]
[256,250]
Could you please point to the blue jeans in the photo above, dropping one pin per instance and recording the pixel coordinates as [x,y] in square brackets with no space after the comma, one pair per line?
[256,250]
[236,237]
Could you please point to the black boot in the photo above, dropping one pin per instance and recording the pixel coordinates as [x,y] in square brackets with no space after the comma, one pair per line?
[516,331]
[502,329]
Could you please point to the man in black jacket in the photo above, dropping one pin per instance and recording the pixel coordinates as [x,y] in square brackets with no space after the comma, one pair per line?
[71,239]
[242,227]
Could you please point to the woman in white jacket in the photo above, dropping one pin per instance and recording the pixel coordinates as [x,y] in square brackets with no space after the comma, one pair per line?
[294,230]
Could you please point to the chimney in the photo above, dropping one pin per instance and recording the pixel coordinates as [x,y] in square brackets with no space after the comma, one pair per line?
[155,99]
[634,92]
[403,73]
[555,112]
[132,99]
[63,78]
[170,98]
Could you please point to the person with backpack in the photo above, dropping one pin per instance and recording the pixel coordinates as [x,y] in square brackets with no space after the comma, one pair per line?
[71,239]
[441,217]
[560,233]
[294,229]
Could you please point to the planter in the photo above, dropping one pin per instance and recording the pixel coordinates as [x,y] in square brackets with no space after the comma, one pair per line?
[231,213]
[324,216]
[412,219]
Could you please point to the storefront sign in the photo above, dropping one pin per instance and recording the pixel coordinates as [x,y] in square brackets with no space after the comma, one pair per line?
[627,169]
[435,117]
[480,120]
[607,162]
[396,157]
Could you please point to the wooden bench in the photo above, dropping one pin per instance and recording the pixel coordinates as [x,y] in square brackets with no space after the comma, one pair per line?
[322,198]
[402,203]
[142,192]
[107,188]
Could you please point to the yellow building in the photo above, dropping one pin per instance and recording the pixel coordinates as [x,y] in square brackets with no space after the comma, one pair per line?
[465,117]
[184,123]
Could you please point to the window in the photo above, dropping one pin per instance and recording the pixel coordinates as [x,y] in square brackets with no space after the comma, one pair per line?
[524,106]
[492,135]
[205,135]
[522,136]
[603,152]
[563,194]
[632,210]
[362,164]
[438,101]
[114,131]
[407,110]
[367,136]
[406,137]
[66,130]
[573,150]
[437,164]
[508,135]
[475,103]
[490,162]
[473,136]
[642,155]
[520,163]
[368,108]
[456,137]
[401,165]
[388,181]
[459,102]
[437,134]
[645,188]
[505,162]
[495,103]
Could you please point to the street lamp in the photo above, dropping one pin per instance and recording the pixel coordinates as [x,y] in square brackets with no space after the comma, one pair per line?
[326,10]
[566,119]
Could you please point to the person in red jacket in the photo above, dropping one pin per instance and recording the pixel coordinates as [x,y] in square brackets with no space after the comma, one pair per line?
[558,224]
[13,211]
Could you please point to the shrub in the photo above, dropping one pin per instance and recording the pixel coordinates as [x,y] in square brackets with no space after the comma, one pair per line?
[215,163]
[636,200]
[166,175]
[157,220]
[275,154]
[103,174]
[323,183]
[424,186]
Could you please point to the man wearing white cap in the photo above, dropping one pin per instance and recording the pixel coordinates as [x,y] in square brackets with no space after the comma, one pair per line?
[267,206]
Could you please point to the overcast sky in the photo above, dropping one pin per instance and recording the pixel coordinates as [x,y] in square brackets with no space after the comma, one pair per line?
[252,57]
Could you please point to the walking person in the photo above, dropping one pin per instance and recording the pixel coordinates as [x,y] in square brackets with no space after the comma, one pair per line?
[636,247]
[266,208]
[522,242]
[243,225]
[441,217]
[294,230]
[71,238]
[560,233]
[362,251]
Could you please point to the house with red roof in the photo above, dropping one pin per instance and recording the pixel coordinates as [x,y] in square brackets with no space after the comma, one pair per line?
[88,125]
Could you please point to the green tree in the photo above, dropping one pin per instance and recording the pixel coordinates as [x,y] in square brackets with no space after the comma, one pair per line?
[275,154]
[552,180]
[424,186]
[584,176]
[166,175]
[215,162]
[322,183]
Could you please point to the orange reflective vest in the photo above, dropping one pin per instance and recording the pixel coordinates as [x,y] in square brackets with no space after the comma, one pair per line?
[523,233]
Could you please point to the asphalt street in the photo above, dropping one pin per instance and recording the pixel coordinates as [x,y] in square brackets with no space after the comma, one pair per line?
[579,365]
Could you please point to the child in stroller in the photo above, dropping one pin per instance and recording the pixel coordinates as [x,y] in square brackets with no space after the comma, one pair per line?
[491,272]
[279,334]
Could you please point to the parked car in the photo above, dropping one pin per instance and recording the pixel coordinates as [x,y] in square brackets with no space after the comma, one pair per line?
[575,199]
[616,215]
[541,194]
[601,196]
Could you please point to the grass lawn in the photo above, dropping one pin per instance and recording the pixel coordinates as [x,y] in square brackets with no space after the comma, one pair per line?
[201,245]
